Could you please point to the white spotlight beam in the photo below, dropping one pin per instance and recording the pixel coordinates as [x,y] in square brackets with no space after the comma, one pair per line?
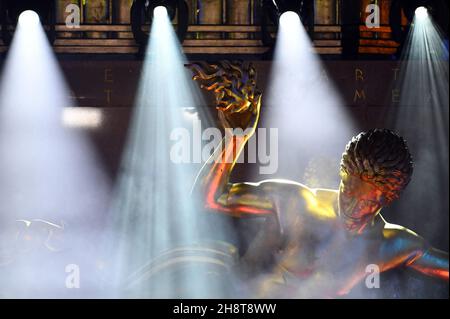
[302,102]
[160,12]
[153,210]
[47,170]
[421,13]
[29,19]
[422,118]
[290,19]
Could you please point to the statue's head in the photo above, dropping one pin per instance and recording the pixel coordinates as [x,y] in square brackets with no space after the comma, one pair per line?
[375,168]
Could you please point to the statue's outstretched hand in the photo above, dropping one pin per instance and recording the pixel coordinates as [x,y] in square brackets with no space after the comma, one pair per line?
[238,100]
[242,116]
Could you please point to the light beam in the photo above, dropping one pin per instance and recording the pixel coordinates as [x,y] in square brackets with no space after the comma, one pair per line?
[160,12]
[49,171]
[29,19]
[422,117]
[421,13]
[153,212]
[289,19]
[301,101]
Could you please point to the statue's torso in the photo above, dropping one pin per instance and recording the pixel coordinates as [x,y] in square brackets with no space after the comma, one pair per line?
[319,258]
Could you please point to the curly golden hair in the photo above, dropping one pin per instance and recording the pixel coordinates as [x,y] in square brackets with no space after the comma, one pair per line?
[380,157]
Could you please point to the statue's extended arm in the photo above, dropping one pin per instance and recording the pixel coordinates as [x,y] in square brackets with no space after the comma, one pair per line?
[222,196]
[405,248]
[238,105]
[431,262]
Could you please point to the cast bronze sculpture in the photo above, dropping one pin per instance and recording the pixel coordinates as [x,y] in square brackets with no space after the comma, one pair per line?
[323,240]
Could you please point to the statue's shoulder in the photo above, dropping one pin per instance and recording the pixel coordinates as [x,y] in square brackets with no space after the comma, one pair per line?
[320,202]
[401,236]
[282,185]
[289,185]
[327,195]
[393,230]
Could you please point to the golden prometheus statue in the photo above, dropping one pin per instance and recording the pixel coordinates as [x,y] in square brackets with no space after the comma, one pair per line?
[322,241]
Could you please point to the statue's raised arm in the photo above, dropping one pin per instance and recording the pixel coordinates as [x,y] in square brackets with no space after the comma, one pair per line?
[238,103]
